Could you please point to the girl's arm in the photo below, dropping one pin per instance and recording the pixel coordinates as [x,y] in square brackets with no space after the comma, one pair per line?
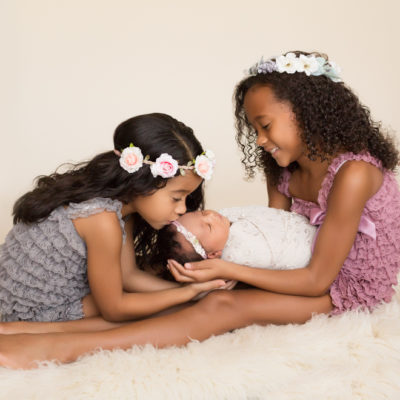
[102,234]
[134,279]
[354,184]
[276,199]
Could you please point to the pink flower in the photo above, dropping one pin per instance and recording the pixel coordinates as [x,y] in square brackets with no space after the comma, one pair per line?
[204,167]
[164,166]
[131,159]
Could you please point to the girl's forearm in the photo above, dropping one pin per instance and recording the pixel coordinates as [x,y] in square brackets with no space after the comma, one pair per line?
[138,305]
[142,281]
[300,281]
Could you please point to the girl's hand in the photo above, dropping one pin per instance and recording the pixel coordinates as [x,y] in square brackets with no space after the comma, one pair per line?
[202,289]
[201,271]
[229,285]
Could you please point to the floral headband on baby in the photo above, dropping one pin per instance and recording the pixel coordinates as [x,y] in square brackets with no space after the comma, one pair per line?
[290,63]
[192,239]
[131,159]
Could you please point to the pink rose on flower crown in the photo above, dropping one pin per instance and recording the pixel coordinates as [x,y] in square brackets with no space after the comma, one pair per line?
[131,159]
[164,166]
[204,166]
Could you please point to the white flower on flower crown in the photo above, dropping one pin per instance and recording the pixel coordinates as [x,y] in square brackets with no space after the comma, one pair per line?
[164,166]
[211,156]
[309,64]
[289,63]
[204,166]
[131,159]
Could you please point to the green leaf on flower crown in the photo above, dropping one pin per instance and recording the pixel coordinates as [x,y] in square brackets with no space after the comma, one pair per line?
[147,158]
[131,145]
[190,163]
[182,171]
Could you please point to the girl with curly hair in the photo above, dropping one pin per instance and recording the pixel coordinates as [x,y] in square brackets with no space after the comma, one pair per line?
[324,158]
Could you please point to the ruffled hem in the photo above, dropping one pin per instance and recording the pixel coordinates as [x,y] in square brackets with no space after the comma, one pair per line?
[65,312]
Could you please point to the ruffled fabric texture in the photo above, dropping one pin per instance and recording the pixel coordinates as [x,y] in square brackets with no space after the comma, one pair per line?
[370,271]
[43,274]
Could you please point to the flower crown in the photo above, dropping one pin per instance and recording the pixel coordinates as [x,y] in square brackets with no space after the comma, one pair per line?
[131,159]
[192,239]
[290,63]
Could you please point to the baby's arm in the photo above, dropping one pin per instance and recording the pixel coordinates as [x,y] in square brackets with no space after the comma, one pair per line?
[102,234]
[354,184]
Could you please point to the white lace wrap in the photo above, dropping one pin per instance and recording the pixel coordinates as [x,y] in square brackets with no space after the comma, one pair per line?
[264,237]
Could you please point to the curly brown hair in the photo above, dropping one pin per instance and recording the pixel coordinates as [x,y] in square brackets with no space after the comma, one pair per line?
[329,115]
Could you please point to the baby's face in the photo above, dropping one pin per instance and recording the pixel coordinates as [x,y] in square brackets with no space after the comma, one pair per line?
[210,228]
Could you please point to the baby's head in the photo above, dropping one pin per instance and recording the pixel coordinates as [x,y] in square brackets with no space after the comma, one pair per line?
[198,235]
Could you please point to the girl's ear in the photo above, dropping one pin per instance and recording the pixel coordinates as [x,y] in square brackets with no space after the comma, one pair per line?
[215,254]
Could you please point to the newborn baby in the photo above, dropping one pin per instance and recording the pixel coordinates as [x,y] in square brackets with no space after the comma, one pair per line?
[256,236]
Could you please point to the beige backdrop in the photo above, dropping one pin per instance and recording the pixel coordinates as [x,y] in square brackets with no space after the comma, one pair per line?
[71,70]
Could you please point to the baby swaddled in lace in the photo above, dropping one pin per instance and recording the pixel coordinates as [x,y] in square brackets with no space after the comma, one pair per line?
[256,236]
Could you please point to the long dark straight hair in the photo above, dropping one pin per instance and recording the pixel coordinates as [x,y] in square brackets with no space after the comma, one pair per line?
[102,176]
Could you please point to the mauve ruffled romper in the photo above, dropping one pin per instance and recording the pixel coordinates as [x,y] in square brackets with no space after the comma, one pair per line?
[370,270]
[43,271]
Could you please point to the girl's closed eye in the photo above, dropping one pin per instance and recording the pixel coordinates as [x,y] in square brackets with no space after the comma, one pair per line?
[266,127]
[176,200]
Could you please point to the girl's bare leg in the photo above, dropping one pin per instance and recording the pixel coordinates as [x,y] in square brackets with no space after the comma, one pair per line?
[219,312]
[80,325]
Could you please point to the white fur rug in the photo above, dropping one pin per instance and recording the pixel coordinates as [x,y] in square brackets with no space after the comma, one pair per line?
[352,356]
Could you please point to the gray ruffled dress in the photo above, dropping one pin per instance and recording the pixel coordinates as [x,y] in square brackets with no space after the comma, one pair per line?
[43,266]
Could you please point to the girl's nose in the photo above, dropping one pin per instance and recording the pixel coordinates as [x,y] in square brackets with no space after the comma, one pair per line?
[261,139]
[181,208]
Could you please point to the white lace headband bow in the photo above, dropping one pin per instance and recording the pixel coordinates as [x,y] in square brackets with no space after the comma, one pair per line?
[192,239]
[131,159]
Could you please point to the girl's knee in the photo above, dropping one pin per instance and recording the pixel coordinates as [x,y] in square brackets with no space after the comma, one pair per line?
[218,301]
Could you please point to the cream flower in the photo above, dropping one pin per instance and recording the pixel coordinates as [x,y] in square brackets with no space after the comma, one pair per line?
[288,63]
[309,64]
[164,166]
[131,159]
[211,156]
[204,166]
